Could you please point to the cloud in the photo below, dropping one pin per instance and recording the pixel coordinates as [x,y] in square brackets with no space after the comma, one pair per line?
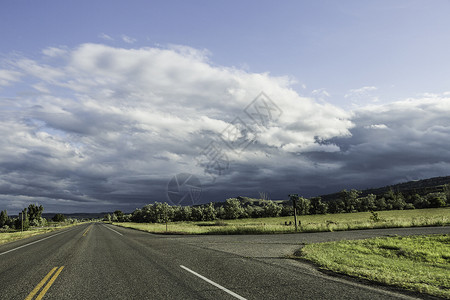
[54,52]
[108,127]
[393,142]
[98,128]
[361,91]
[7,77]
[105,37]
[362,95]
[128,40]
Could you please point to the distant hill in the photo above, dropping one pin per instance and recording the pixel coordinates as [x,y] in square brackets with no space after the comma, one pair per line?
[78,216]
[421,187]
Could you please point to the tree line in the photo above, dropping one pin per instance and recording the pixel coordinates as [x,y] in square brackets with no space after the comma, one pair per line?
[234,208]
[30,216]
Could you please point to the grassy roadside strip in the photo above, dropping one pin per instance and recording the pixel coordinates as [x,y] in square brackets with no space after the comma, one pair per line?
[7,237]
[417,263]
[309,223]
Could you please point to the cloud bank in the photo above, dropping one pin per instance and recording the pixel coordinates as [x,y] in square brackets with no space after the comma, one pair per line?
[98,128]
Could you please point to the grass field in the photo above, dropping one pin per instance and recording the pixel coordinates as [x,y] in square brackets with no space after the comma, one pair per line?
[6,237]
[418,263]
[310,223]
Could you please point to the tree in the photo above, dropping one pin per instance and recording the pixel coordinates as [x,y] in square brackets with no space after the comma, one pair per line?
[366,203]
[436,199]
[137,216]
[118,216]
[336,206]
[209,212]
[303,206]
[271,209]
[161,212]
[349,199]
[107,218]
[35,213]
[197,213]
[380,203]
[287,210]
[3,218]
[59,218]
[394,200]
[317,206]
[233,209]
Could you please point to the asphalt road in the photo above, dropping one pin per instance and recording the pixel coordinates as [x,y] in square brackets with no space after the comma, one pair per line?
[97,261]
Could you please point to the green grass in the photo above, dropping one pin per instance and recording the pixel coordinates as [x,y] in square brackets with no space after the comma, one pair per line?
[417,263]
[7,237]
[310,223]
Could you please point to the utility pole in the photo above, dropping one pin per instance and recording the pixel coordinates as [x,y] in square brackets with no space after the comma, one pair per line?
[22,221]
[294,198]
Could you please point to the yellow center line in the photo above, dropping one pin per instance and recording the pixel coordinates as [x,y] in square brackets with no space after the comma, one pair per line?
[43,281]
[87,230]
[40,284]
[49,284]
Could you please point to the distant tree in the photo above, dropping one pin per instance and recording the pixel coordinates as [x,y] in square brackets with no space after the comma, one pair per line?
[366,203]
[335,206]
[186,213]
[437,199]
[287,210]
[137,216]
[209,212]
[271,209]
[395,200]
[233,209]
[349,199]
[118,215]
[59,218]
[161,212]
[303,206]
[107,218]
[220,212]
[197,213]
[380,203]
[3,218]
[35,214]
[317,206]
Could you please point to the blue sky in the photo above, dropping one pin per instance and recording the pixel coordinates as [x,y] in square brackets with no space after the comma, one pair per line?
[400,47]
[82,81]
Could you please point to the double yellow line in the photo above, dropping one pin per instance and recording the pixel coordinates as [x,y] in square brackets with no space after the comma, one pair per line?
[43,281]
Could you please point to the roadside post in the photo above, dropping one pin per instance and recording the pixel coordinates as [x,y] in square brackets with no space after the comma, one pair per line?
[294,198]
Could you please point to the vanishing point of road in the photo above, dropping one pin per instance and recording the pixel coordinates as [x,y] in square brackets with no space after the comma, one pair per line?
[101,261]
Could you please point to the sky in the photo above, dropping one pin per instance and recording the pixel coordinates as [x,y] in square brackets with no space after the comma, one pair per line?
[109,105]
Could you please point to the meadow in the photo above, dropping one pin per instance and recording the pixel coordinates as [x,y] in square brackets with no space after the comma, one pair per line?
[11,236]
[309,223]
[417,263]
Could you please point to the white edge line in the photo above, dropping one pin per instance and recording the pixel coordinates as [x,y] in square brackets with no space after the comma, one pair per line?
[215,284]
[23,246]
[112,230]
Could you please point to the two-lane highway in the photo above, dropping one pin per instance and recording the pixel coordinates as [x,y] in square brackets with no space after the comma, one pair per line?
[98,261]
